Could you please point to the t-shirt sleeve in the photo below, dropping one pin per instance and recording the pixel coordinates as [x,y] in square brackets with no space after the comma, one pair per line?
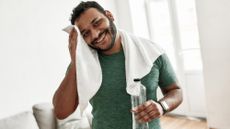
[167,75]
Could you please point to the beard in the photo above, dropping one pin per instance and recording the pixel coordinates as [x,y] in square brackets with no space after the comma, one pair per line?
[112,30]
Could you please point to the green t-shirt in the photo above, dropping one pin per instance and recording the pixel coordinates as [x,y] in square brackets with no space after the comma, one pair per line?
[111,104]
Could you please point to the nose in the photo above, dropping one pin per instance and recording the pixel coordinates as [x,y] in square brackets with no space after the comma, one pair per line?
[95,34]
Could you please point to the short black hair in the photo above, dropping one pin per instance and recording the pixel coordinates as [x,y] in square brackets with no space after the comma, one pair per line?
[82,7]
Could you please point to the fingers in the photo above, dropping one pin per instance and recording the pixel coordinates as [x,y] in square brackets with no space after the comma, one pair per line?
[143,107]
[147,111]
[72,37]
[72,43]
[73,33]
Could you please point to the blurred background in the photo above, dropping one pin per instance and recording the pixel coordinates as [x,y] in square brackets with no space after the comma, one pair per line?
[194,33]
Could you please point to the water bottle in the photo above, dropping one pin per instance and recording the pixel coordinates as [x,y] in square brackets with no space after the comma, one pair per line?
[136,100]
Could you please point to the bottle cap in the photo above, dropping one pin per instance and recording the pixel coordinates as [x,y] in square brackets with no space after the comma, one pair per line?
[136,80]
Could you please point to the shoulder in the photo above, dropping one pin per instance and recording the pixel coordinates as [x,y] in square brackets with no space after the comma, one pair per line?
[161,60]
[142,39]
[145,41]
[146,46]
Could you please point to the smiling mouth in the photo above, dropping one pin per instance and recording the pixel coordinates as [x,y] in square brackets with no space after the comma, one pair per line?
[100,40]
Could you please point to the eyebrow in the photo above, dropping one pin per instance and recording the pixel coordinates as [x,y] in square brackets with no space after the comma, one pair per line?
[95,19]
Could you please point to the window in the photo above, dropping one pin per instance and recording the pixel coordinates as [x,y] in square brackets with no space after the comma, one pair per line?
[161,30]
[173,26]
[190,48]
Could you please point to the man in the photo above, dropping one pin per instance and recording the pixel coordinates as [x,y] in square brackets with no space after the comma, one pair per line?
[111,104]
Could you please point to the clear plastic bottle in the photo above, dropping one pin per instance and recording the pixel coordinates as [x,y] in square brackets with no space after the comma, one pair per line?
[138,100]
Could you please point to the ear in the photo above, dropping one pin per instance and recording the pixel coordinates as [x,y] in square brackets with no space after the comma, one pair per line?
[109,15]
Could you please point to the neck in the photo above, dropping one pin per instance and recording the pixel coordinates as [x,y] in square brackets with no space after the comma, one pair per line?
[116,48]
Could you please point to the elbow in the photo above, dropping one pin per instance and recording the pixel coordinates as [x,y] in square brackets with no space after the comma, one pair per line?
[180,94]
[63,112]
[60,114]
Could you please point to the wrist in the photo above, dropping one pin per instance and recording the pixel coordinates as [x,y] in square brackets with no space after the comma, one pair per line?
[73,62]
[72,67]
[164,106]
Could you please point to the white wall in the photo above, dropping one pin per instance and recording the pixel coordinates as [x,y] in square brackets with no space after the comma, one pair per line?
[132,17]
[33,50]
[214,27]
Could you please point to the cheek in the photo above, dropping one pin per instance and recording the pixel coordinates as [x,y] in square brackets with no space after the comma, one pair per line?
[109,36]
[105,24]
[87,40]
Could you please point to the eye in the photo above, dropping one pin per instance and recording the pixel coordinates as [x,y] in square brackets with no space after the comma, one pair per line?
[97,23]
[85,34]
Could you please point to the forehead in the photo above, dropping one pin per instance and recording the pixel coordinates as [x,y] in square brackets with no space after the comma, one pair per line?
[87,17]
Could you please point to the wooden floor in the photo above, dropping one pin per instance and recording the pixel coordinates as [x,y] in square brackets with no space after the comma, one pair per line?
[181,122]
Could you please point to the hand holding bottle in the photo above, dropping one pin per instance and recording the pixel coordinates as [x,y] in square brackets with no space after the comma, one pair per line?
[147,111]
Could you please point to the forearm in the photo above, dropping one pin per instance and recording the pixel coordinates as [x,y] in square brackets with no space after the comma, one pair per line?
[173,98]
[65,99]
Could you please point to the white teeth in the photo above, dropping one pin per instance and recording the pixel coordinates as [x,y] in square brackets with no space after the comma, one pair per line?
[101,38]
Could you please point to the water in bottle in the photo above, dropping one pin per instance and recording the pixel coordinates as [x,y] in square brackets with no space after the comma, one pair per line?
[136,100]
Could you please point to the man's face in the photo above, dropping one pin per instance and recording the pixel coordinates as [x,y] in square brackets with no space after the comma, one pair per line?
[97,29]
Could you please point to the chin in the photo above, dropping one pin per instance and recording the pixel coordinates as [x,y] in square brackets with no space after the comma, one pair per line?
[106,47]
